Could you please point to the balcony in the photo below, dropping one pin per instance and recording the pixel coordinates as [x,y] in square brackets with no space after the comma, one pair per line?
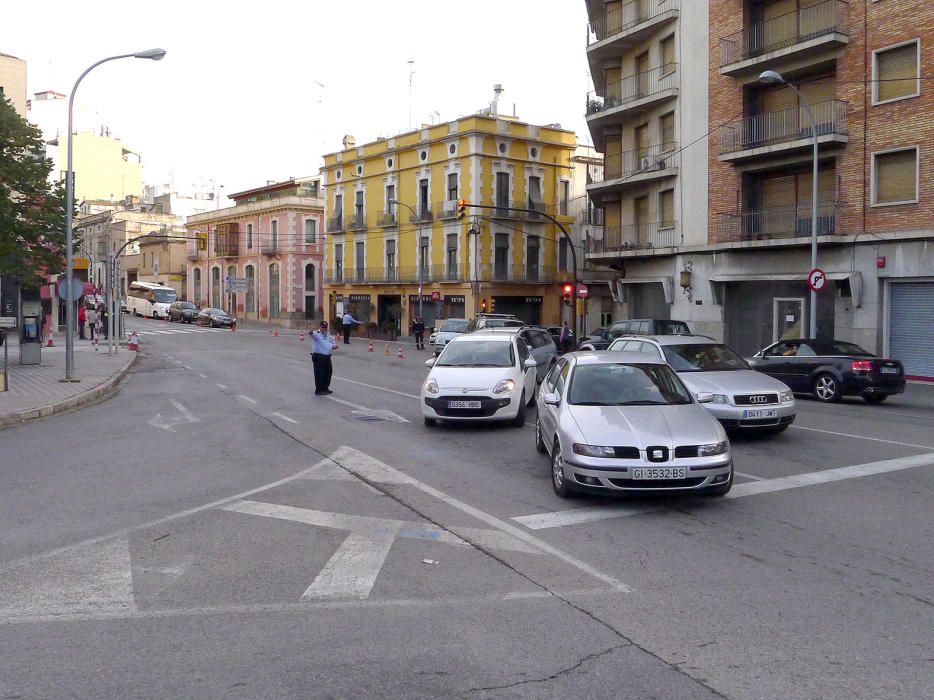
[783,131]
[611,33]
[422,215]
[387,219]
[631,96]
[636,166]
[447,209]
[795,35]
[226,246]
[774,223]
[635,237]
[193,254]
[528,210]
[270,248]
[399,275]
[357,222]
[336,224]
[590,217]
[520,274]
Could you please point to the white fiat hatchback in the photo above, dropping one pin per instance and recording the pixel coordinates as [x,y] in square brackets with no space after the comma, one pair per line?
[480,377]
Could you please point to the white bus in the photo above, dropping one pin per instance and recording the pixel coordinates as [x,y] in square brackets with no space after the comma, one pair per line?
[150,299]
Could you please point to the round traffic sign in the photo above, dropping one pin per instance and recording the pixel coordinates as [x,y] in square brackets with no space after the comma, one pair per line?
[77,288]
[817,279]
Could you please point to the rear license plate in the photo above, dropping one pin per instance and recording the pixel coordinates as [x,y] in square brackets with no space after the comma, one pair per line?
[760,413]
[888,370]
[463,404]
[657,473]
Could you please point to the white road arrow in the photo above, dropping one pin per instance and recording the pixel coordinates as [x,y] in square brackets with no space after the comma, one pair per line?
[382,413]
[185,416]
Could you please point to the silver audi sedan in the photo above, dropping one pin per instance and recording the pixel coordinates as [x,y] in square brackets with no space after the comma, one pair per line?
[618,421]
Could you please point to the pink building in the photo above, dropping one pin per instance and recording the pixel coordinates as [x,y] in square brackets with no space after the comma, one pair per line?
[273,239]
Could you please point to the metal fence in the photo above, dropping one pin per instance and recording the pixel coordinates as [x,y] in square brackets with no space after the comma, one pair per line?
[626,17]
[640,160]
[782,126]
[634,87]
[774,223]
[656,234]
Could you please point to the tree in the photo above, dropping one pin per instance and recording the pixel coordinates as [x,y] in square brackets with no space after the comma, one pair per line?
[32,214]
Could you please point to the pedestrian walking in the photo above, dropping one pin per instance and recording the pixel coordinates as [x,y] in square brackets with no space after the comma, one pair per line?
[418,330]
[348,321]
[104,318]
[564,340]
[92,322]
[322,346]
[82,320]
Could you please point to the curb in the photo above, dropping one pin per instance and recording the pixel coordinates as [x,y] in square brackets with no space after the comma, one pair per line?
[104,390]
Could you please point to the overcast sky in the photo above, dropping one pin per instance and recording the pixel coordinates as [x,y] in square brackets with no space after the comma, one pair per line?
[251,92]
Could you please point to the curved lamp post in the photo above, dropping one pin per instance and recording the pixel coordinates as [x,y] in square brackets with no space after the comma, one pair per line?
[770,77]
[152,55]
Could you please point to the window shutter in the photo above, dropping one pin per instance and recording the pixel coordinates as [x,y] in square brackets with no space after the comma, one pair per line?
[777,99]
[666,205]
[896,177]
[778,192]
[668,131]
[668,54]
[897,72]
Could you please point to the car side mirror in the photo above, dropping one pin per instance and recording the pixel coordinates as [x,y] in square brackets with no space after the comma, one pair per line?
[430,362]
[704,397]
[529,363]
[551,398]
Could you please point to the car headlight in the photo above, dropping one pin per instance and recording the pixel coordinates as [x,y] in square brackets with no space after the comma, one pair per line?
[786,396]
[431,386]
[716,448]
[593,450]
[504,386]
[720,398]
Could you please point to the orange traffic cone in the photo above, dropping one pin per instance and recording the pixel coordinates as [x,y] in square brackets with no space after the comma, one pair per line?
[386,350]
[276,333]
[400,356]
[51,343]
[301,336]
[370,348]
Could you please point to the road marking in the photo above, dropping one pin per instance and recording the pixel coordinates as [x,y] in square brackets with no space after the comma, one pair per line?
[383,413]
[222,386]
[576,516]
[203,376]
[186,417]
[380,388]
[863,437]
[285,418]
[351,572]
[366,467]
[178,362]
[246,398]
[749,476]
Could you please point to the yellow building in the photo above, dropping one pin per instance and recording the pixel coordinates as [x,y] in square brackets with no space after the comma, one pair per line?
[395,242]
[105,168]
[13,82]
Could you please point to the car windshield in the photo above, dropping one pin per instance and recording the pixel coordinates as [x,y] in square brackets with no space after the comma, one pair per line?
[454,325]
[165,296]
[841,347]
[706,357]
[672,328]
[187,305]
[626,385]
[477,354]
[502,323]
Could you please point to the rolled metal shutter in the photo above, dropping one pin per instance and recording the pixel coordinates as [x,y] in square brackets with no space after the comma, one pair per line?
[911,327]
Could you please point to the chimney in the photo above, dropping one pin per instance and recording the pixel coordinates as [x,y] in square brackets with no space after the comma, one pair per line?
[494,108]
[349,141]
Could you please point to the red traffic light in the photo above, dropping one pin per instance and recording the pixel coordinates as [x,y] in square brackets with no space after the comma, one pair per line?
[568,289]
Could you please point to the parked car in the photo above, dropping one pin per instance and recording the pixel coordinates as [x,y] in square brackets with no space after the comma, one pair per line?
[831,369]
[482,321]
[595,334]
[480,376]
[555,333]
[637,326]
[742,398]
[540,344]
[449,329]
[615,422]
[215,318]
[183,311]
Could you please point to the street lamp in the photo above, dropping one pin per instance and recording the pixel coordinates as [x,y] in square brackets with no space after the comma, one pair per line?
[152,55]
[770,77]
[418,252]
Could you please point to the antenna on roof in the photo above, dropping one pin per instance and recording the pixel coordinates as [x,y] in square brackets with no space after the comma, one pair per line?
[411,63]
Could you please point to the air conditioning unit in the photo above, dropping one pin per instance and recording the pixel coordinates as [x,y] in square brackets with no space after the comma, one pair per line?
[646,163]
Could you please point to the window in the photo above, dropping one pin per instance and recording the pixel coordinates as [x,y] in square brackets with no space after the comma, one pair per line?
[535,193]
[274,290]
[390,199]
[339,211]
[532,249]
[358,207]
[896,73]
[423,254]
[666,208]
[895,177]
[338,262]
[250,289]
[231,274]
[502,189]
[565,197]
[274,228]
[452,256]
[311,230]
[360,260]
[563,253]
[452,187]
[668,54]
[196,283]
[423,205]
[501,257]
[391,259]
[249,236]
[310,279]
[216,287]
[667,127]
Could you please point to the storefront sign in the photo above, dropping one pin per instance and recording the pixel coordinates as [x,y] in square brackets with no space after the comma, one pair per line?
[359,297]
[424,297]
[455,300]
[436,296]
[533,300]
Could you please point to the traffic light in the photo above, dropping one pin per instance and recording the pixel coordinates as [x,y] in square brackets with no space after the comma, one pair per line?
[566,293]
[202,241]
[483,306]
[492,304]
[461,208]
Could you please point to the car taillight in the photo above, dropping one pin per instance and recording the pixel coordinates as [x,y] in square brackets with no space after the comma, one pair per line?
[861,366]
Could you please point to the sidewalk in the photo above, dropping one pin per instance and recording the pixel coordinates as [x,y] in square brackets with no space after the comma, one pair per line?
[36,390]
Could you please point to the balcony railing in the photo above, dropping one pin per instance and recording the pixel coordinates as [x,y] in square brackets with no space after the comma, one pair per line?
[402,275]
[627,17]
[514,273]
[783,126]
[634,87]
[528,210]
[786,30]
[193,255]
[422,215]
[226,246]
[357,222]
[590,216]
[447,209]
[269,248]
[387,219]
[336,224]
[774,223]
[657,234]
[639,161]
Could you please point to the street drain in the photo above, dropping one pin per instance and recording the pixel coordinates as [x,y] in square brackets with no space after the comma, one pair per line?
[364,418]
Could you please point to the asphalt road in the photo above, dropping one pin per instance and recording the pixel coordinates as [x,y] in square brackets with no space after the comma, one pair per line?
[217,530]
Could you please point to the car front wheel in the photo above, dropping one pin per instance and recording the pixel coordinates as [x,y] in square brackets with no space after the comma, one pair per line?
[519,420]
[559,478]
[827,388]
[539,438]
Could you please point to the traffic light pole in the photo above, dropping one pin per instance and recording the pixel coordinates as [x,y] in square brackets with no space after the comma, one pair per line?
[567,236]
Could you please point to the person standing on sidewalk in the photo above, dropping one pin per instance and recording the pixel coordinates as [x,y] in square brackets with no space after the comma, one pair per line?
[92,322]
[348,321]
[418,330]
[82,320]
[322,346]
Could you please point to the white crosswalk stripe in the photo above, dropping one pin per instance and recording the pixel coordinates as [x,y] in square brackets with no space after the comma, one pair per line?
[175,331]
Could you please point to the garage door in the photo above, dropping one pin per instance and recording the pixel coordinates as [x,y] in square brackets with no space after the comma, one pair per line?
[911,327]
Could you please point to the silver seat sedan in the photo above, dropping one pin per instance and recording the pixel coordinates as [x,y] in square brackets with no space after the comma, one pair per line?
[615,422]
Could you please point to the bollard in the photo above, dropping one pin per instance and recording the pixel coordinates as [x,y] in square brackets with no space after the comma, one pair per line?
[370,348]
[386,350]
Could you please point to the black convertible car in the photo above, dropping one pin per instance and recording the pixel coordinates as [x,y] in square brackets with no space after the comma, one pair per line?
[831,369]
